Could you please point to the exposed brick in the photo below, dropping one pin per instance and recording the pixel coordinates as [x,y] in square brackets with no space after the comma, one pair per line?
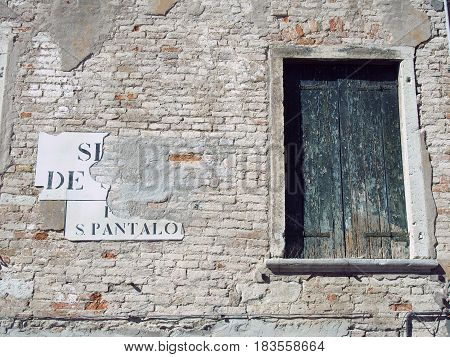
[96,302]
[185,157]
[64,306]
[332,297]
[170,49]
[109,255]
[336,24]
[40,236]
[25,114]
[4,260]
[401,306]
[299,30]
[20,234]
[306,41]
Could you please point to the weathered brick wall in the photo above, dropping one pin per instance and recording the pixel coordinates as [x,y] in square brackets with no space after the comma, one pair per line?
[193,84]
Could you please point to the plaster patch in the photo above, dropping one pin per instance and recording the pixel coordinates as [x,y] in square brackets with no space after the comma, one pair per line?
[437,5]
[251,292]
[146,183]
[407,26]
[80,28]
[161,7]
[6,12]
[258,12]
[17,288]
[281,292]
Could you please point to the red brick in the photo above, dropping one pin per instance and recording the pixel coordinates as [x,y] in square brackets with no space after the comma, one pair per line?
[109,255]
[332,297]
[25,115]
[401,306]
[40,235]
[167,48]
[336,24]
[96,303]
[299,30]
[63,306]
[185,157]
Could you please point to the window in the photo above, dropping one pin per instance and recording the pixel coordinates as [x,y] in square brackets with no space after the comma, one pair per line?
[344,189]
[373,201]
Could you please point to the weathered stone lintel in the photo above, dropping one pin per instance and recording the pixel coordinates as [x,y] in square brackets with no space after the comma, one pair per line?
[354,266]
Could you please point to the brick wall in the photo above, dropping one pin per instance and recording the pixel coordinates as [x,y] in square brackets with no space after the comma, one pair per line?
[196,83]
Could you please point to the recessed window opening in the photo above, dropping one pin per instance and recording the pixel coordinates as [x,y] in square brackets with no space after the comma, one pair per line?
[344,186]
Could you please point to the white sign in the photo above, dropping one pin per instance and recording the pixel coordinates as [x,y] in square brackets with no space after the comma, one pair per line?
[63,164]
[93,220]
[62,169]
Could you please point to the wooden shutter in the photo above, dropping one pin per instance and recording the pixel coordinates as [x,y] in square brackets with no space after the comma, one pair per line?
[344,179]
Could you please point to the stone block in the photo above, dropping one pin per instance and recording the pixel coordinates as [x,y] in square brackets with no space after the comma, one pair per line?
[281,292]
[52,215]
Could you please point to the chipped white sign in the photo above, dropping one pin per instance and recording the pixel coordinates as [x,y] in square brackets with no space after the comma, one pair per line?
[94,221]
[63,164]
[62,171]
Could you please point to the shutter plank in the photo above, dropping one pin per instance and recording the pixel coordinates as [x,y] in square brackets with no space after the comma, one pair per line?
[335,164]
[320,144]
[311,118]
[377,217]
[353,177]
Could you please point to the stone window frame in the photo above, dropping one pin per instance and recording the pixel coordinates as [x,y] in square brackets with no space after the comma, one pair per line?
[420,207]
[4,41]
[5,127]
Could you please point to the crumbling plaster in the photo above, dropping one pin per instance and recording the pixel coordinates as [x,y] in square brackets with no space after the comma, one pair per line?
[80,27]
[407,25]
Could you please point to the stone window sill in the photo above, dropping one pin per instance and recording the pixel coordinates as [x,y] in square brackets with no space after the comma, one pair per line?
[353,266]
